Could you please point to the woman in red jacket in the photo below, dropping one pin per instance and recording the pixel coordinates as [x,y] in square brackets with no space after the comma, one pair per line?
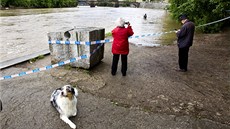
[120,45]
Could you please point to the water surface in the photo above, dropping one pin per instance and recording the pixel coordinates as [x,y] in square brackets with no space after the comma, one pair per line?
[24,31]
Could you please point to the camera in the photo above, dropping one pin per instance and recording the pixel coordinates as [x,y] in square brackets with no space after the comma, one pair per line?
[126,23]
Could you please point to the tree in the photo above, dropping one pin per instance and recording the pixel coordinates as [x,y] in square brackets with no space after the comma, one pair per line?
[38,3]
[202,12]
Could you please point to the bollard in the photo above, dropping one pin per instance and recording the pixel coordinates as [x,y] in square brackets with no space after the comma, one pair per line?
[63,52]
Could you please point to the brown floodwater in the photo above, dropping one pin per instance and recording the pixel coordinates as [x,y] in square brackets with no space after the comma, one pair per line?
[24,31]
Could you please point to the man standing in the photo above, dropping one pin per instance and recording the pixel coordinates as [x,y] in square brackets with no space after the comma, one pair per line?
[184,39]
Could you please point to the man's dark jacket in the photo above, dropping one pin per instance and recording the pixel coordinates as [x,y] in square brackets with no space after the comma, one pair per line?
[185,35]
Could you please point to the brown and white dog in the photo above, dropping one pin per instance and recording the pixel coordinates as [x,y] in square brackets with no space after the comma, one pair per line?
[64,99]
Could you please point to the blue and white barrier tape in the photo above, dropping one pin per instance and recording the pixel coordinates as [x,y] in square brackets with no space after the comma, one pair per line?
[96,49]
[103,41]
[131,37]
[214,22]
[80,42]
[50,66]
[44,68]
[72,59]
[147,35]
[85,56]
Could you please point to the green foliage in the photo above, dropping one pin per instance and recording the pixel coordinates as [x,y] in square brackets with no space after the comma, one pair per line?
[39,3]
[67,67]
[202,12]
[3,2]
[105,3]
[36,58]
[109,34]
[125,4]
[110,3]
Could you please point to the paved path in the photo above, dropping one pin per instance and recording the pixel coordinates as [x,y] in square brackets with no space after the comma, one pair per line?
[26,105]
[151,96]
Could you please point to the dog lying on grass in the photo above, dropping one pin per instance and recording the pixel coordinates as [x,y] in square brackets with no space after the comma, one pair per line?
[64,99]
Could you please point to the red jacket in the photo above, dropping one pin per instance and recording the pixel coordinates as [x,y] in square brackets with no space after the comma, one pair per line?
[120,40]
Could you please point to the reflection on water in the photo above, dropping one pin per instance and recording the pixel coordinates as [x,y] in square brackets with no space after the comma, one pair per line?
[24,31]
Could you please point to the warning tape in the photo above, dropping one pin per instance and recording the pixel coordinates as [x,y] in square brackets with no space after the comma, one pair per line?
[86,56]
[214,22]
[44,68]
[67,42]
[80,42]
[131,37]
[61,63]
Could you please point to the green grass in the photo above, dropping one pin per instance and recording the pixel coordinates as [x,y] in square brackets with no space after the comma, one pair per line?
[109,34]
[36,58]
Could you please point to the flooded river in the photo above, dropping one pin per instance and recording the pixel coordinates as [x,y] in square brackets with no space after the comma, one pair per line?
[24,31]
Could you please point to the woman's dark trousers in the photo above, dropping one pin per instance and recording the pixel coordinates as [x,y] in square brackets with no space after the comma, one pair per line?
[123,64]
[183,58]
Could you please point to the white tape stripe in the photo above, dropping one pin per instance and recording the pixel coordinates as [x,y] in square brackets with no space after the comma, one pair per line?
[104,41]
[85,56]
[43,68]
[136,36]
[15,75]
[214,22]
[80,42]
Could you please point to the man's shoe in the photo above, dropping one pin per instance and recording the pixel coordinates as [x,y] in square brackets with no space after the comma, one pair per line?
[113,73]
[123,74]
[181,70]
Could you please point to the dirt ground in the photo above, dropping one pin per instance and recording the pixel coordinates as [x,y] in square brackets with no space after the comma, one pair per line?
[152,86]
